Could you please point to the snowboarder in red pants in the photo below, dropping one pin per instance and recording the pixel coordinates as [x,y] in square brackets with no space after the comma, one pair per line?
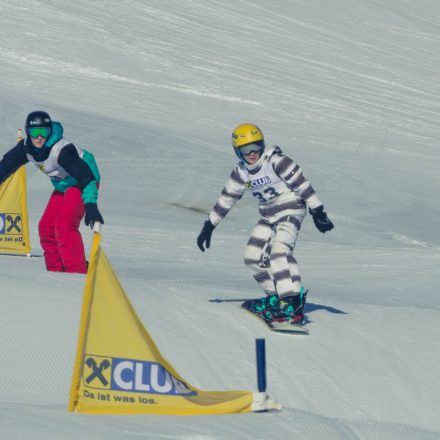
[75,176]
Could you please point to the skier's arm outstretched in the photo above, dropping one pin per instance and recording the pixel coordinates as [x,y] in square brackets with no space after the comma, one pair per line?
[12,161]
[231,193]
[78,168]
[292,174]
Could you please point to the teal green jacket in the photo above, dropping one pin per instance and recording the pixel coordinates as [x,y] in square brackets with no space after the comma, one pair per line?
[63,166]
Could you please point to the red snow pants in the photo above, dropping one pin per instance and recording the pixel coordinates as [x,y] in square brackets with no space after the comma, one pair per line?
[59,235]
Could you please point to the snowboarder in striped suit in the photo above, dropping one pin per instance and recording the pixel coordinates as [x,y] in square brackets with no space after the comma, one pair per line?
[283,195]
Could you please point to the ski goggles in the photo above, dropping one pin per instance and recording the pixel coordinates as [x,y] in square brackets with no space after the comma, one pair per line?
[34,132]
[251,148]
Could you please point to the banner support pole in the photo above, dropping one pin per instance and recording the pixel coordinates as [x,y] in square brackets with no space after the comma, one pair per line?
[260,346]
[261,401]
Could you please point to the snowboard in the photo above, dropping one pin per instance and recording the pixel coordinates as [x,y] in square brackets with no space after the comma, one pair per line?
[281,327]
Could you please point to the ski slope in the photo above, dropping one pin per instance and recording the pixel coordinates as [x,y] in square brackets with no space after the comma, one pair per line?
[350,90]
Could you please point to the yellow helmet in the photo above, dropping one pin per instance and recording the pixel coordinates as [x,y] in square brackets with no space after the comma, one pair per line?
[246,134]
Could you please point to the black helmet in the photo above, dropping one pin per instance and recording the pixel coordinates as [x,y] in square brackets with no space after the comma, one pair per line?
[38,118]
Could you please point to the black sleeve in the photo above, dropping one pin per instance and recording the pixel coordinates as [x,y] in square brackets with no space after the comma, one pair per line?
[12,161]
[75,166]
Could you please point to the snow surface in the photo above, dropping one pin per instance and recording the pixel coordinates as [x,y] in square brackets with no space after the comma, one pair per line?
[350,90]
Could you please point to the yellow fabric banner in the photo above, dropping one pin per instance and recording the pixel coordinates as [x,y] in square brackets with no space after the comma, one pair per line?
[118,368]
[14,226]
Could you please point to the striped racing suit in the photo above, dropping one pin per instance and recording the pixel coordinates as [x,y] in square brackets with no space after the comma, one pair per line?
[283,194]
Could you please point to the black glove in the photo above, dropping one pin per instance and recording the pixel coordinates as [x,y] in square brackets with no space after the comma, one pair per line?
[205,235]
[92,215]
[322,222]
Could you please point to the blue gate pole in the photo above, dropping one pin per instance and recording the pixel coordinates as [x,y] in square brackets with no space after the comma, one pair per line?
[260,345]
